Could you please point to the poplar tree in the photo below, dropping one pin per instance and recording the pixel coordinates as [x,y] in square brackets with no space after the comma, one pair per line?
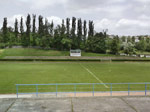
[34,24]
[84,31]
[79,33]
[21,29]
[21,26]
[34,29]
[73,33]
[91,29]
[16,31]
[51,28]
[45,37]
[46,32]
[73,27]
[63,28]
[41,27]
[68,27]
[28,31]
[5,31]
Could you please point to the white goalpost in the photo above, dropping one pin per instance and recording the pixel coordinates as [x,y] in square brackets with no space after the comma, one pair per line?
[106,59]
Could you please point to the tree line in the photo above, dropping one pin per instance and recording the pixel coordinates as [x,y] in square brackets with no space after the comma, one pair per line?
[72,33]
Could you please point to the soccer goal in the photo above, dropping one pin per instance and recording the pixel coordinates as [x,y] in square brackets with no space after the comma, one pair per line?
[106,59]
[76,52]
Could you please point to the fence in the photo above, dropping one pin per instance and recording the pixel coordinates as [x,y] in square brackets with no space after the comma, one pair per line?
[85,89]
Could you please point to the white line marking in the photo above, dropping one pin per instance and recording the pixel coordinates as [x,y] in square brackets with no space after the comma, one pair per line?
[94,76]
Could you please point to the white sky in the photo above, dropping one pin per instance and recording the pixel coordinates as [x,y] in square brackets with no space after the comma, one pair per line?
[120,17]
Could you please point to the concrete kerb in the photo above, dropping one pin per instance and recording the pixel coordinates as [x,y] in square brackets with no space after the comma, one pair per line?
[64,95]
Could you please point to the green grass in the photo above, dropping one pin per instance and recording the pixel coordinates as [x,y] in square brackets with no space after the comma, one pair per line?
[40,52]
[12,73]
[32,52]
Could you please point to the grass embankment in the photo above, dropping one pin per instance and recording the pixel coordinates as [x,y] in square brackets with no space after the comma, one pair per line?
[40,52]
[45,73]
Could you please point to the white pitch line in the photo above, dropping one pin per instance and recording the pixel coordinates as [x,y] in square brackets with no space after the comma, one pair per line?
[94,76]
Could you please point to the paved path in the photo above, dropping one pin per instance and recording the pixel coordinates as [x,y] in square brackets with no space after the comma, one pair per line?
[82,104]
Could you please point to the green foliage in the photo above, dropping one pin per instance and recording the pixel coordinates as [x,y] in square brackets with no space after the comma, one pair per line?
[5,31]
[148,44]
[115,46]
[148,47]
[68,27]
[123,39]
[63,37]
[45,42]
[66,43]
[2,45]
[84,31]
[129,48]
[141,45]
[97,43]
[79,33]
[16,31]
[91,29]
[28,31]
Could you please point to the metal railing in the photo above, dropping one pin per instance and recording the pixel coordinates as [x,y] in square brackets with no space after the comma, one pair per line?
[75,88]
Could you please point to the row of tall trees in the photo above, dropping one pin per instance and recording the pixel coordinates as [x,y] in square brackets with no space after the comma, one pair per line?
[70,34]
[63,37]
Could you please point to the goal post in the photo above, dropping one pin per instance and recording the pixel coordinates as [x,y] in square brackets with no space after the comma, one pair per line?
[106,59]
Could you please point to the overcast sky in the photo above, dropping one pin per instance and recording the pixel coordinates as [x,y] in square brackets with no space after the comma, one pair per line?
[120,17]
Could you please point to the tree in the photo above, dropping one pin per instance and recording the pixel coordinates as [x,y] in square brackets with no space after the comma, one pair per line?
[16,31]
[123,39]
[133,39]
[46,36]
[34,23]
[63,28]
[129,48]
[97,43]
[41,27]
[4,31]
[57,38]
[115,46]
[46,32]
[73,34]
[28,31]
[129,39]
[51,34]
[79,33]
[68,27]
[141,45]
[34,30]
[66,43]
[84,31]
[21,29]
[73,27]
[51,28]
[91,29]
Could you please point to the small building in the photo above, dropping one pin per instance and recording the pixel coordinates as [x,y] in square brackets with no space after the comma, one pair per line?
[76,52]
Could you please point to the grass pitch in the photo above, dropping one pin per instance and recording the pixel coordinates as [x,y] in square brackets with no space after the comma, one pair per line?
[12,73]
